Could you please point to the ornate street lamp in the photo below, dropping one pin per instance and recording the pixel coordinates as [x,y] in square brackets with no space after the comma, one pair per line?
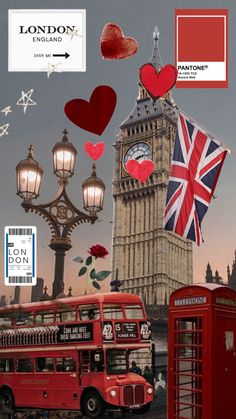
[61,215]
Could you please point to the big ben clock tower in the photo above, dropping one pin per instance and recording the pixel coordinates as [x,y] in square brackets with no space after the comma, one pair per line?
[151,262]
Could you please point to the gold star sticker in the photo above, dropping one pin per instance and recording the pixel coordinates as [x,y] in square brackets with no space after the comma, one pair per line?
[25,100]
[6,110]
[51,68]
[3,130]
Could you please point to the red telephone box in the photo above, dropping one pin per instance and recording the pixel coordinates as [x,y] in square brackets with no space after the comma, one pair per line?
[202,353]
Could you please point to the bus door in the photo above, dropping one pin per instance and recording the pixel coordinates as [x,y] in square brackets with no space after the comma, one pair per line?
[91,367]
[66,384]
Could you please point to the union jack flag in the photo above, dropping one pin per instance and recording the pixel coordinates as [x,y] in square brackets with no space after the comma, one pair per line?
[196,164]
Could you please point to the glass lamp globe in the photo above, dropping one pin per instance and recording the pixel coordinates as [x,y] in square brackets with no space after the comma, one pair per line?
[28,177]
[64,155]
[93,193]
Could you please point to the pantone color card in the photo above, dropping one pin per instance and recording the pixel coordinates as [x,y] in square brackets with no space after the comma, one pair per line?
[46,40]
[201,47]
[20,255]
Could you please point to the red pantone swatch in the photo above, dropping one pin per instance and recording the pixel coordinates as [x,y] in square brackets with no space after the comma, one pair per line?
[201,38]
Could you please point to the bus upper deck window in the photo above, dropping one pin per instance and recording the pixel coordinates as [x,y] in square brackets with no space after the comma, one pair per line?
[112,311]
[89,312]
[44,317]
[134,312]
[24,319]
[6,321]
[65,315]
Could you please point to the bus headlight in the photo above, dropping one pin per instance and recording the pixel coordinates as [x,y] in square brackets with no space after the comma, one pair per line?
[150,390]
[113,393]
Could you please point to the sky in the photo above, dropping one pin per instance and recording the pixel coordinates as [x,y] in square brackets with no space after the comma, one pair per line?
[42,126]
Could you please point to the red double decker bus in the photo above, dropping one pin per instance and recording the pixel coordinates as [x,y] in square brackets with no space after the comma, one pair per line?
[74,355]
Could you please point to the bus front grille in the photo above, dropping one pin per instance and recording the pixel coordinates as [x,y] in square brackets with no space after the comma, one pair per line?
[133,395]
[139,394]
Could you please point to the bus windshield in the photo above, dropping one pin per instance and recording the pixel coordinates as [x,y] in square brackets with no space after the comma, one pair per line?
[117,361]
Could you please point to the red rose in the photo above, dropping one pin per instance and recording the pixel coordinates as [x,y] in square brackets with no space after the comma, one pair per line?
[98,251]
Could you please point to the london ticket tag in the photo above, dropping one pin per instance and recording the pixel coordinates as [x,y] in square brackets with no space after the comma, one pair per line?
[20,255]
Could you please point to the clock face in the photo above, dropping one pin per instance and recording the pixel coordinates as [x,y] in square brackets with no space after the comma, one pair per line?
[139,151]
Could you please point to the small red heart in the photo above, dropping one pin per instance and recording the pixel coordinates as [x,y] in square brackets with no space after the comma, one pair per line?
[93,116]
[114,45]
[140,170]
[95,151]
[158,84]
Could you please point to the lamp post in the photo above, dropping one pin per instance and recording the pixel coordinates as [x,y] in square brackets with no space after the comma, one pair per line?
[61,215]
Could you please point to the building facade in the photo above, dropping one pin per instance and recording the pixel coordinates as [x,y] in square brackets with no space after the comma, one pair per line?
[16,298]
[3,301]
[151,262]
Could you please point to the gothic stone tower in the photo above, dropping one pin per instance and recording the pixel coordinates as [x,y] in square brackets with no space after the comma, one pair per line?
[151,262]
[232,275]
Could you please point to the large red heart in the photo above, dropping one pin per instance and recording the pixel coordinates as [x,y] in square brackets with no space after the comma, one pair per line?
[114,45]
[158,84]
[94,151]
[140,171]
[93,116]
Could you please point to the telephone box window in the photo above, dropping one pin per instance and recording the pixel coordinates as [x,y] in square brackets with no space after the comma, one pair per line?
[188,367]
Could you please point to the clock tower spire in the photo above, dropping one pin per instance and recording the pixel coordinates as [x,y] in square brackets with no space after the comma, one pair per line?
[156,57]
[151,261]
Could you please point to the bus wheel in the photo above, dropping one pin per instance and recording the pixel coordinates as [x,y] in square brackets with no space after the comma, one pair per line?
[93,405]
[7,403]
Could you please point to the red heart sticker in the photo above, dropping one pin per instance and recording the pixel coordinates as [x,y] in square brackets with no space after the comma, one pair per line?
[93,116]
[114,45]
[158,84]
[95,151]
[140,171]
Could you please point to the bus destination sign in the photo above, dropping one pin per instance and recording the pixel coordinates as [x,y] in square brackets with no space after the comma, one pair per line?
[126,330]
[75,333]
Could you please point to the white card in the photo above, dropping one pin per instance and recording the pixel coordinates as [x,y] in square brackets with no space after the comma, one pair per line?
[20,255]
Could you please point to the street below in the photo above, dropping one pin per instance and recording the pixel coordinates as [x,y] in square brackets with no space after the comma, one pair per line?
[156,411]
